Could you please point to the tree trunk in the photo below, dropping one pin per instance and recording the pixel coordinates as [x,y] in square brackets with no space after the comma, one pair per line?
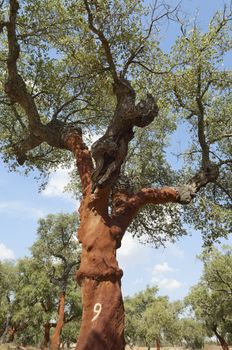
[221,340]
[157,344]
[5,332]
[99,276]
[11,334]
[103,316]
[55,340]
[46,341]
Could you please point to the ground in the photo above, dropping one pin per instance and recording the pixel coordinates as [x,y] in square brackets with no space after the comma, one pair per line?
[207,347]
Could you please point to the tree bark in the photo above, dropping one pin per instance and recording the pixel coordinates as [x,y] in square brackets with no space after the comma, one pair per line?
[11,334]
[55,340]
[5,332]
[157,344]
[99,276]
[221,340]
[46,341]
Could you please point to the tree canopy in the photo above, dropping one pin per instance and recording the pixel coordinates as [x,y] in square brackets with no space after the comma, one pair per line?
[211,297]
[51,87]
[31,288]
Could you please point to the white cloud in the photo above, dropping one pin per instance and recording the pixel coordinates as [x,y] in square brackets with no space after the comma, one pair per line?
[167,283]
[18,208]
[158,277]
[56,184]
[6,253]
[162,268]
[130,247]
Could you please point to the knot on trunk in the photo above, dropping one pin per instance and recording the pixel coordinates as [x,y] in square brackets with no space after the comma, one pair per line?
[201,179]
[147,110]
[109,152]
[186,193]
[204,176]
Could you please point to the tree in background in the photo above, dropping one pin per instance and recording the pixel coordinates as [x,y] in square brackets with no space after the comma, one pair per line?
[150,319]
[36,303]
[8,278]
[107,75]
[56,250]
[35,288]
[192,333]
[211,298]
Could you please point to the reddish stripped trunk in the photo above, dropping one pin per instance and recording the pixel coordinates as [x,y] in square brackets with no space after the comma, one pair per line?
[221,340]
[102,325]
[157,344]
[55,340]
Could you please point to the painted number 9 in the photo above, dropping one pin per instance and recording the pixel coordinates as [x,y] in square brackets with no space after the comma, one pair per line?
[97,310]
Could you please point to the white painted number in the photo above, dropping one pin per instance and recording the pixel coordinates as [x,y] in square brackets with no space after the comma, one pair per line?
[97,310]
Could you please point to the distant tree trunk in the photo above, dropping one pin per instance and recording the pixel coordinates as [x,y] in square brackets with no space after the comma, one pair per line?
[11,334]
[5,332]
[157,344]
[55,340]
[221,340]
[46,341]
[102,325]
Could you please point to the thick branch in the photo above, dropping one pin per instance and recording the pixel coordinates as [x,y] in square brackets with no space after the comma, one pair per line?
[126,205]
[110,151]
[15,86]
[62,136]
[55,133]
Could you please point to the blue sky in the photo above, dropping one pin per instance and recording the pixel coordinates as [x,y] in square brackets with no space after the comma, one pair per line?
[175,268]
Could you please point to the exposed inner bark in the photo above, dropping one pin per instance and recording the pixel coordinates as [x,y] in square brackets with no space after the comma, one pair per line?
[55,340]
[99,276]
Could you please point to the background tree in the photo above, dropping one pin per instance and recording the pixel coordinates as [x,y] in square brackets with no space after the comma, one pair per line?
[8,285]
[211,297]
[56,250]
[150,319]
[38,286]
[106,74]
[192,333]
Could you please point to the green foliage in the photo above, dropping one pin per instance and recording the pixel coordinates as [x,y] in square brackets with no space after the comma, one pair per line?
[30,290]
[150,318]
[192,333]
[211,298]
[9,281]
[71,82]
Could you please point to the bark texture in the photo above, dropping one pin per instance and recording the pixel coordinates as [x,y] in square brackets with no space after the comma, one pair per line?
[55,340]
[99,276]
[46,340]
